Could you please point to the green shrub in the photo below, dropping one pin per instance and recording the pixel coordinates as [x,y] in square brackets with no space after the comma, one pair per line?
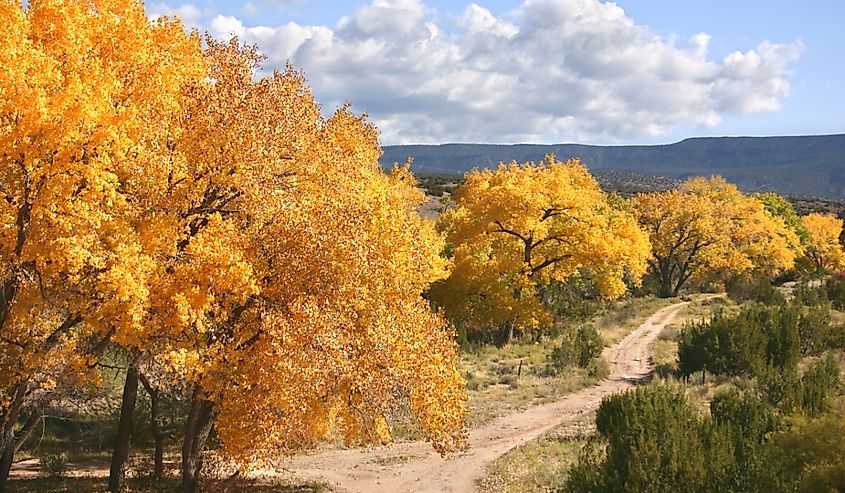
[578,348]
[815,330]
[758,337]
[652,440]
[835,287]
[810,295]
[53,463]
[754,286]
[748,416]
[807,457]
[589,344]
[598,369]
[781,388]
[747,421]
[817,384]
[724,345]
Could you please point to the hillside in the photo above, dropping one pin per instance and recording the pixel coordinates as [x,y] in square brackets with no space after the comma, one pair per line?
[809,166]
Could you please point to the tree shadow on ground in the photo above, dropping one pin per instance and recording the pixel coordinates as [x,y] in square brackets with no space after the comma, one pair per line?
[169,485]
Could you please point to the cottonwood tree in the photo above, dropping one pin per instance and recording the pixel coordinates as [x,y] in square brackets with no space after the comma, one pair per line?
[824,249]
[516,229]
[709,228]
[288,274]
[79,112]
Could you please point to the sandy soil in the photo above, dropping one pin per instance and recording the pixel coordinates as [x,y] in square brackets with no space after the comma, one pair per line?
[415,467]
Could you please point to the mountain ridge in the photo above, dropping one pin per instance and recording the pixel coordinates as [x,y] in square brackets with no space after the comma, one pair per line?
[802,165]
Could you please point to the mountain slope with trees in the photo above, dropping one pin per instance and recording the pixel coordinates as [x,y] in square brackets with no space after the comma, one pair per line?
[812,166]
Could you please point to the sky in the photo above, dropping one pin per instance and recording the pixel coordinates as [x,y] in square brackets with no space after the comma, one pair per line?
[554,71]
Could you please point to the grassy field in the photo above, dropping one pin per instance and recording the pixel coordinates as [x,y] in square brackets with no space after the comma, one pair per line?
[621,317]
[495,385]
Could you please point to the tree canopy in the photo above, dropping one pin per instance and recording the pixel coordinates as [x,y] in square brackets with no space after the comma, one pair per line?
[780,207]
[709,228]
[161,199]
[824,249]
[80,115]
[516,229]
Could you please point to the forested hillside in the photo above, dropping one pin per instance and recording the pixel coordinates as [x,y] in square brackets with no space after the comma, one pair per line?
[810,166]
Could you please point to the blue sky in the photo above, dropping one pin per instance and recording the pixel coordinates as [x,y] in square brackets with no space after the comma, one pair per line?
[504,71]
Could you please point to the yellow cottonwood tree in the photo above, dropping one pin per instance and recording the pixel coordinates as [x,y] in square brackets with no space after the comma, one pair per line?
[86,90]
[708,227]
[824,249]
[288,275]
[515,229]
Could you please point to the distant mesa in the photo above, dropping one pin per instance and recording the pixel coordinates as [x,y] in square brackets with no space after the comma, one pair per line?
[804,166]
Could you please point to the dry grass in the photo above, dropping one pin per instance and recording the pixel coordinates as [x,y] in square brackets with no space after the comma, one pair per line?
[701,307]
[664,353]
[540,465]
[496,386]
[621,317]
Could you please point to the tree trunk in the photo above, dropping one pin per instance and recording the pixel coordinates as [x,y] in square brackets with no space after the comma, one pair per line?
[117,472]
[680,284]
[7,434]
[666,288]
[8,290]
[158,456]
[664,275]
[6,460]
[11,448]
[506,334]
[5,468]
[197,429]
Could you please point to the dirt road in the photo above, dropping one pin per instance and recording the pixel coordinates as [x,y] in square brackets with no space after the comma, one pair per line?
[415,467]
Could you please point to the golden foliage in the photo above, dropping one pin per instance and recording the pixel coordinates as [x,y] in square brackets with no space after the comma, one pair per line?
[515,229]
[87,91]
[709,228]
[824,248]
[291,269]
[158,196]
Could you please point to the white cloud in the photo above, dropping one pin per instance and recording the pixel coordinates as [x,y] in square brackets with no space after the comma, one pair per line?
[552,70]
[226,26]
[480,21]
[189,13]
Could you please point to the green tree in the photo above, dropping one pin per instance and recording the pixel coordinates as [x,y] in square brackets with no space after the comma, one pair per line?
[782,208]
